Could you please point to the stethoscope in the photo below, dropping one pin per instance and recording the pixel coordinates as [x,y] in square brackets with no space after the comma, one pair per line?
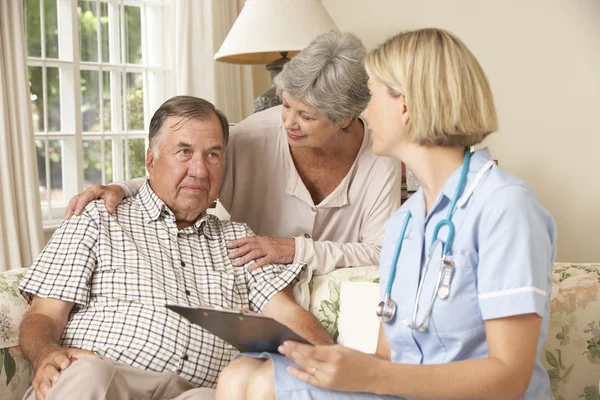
[386,310]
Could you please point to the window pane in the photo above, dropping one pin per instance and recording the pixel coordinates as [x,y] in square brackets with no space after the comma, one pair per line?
[32,28]
[56,183]
[133,32]
[53,91]
[104,32]
[106,82]
[137,164]
[90,101]
[92,164]
[40,150]
[51,26]
[37,101]
[88,34]
[108,163]
[135,101]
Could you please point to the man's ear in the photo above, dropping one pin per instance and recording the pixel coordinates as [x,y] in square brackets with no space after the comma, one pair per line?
[149,159]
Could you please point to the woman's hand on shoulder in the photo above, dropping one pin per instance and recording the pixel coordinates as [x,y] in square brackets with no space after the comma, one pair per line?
[263,250]
[112,196]
[333,367]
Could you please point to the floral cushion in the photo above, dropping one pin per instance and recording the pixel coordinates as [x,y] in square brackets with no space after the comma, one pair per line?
[15,371]
[572,349]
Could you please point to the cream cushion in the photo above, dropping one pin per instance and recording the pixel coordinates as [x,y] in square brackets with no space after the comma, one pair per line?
[358,325]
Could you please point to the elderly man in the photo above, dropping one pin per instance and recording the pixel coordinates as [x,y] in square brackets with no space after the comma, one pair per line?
[98,326]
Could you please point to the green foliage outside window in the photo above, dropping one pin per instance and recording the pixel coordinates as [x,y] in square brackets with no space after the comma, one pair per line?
[91,93]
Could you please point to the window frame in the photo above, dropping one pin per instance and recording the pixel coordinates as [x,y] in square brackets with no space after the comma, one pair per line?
[156,73]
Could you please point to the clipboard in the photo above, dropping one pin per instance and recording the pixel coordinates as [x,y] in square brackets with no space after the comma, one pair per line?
[245,331]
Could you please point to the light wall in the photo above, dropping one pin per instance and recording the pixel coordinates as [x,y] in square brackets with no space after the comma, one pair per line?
[542,58]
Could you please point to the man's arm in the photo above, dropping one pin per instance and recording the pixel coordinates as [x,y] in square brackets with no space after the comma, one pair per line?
[283,308]
[39,338]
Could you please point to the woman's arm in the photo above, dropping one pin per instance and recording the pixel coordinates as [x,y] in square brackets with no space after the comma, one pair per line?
[383,347]
[325,256]
[504,374]
[112,194]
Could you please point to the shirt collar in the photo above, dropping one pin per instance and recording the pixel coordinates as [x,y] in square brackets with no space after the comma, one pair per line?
[416,203]
[478,160]
[339,196]
[153,208]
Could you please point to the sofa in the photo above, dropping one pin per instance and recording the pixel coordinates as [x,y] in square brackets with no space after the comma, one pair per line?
[344,302]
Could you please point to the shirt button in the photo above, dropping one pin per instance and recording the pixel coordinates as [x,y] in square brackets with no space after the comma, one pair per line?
[185,357]
[306,235]
[187,292]
[313,209]
[182,264]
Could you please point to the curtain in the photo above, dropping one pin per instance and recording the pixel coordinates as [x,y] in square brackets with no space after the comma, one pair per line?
[201,27]
[21,234]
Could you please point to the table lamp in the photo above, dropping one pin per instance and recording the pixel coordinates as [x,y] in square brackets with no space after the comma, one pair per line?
[271,32]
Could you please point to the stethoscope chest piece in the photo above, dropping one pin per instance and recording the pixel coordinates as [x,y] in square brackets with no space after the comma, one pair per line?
[386,309]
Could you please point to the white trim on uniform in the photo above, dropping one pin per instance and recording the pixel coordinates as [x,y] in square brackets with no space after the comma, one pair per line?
[511,291]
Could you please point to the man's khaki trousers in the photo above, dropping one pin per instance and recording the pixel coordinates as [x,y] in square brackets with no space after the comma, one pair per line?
[96,379]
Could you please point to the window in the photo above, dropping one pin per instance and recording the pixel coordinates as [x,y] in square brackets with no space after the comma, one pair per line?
[97,72]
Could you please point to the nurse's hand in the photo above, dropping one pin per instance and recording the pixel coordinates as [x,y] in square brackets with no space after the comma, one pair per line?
[263,250]
[333,367]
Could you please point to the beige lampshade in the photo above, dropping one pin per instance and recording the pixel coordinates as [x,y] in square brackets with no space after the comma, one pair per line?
[265,28]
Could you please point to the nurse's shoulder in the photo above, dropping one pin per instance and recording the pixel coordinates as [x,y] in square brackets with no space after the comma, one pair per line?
[505,199]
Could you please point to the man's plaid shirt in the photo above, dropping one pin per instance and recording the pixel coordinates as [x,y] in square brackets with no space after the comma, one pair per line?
[121,271]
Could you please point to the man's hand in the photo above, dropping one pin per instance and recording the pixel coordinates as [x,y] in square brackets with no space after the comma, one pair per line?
[49,366]
[263,250]
[112,196]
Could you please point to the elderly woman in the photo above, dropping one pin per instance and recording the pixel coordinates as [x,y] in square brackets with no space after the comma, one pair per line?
[466,261]
[303,175]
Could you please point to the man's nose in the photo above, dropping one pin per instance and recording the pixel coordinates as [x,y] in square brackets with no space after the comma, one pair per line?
[198,168]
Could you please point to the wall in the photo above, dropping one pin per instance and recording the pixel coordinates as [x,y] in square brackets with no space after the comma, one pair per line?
[542,58]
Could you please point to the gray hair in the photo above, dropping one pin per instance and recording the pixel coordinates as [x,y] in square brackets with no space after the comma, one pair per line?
[329,74]
[186,107]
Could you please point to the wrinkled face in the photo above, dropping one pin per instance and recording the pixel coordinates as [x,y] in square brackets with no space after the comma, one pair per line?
[305,126]
[186,175]
[387,117]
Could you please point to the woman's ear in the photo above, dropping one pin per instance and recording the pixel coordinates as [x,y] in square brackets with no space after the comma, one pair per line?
[404,111]
[346,124]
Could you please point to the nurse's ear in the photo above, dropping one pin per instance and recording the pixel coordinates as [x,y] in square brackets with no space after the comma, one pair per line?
[404,109]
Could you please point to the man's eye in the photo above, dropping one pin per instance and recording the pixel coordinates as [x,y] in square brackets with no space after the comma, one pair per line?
[184,151]
[304,117]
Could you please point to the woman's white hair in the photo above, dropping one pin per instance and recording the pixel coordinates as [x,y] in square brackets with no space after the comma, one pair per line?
[329,75]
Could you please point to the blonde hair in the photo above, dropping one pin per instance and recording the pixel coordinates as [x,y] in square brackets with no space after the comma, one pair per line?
[447,93]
